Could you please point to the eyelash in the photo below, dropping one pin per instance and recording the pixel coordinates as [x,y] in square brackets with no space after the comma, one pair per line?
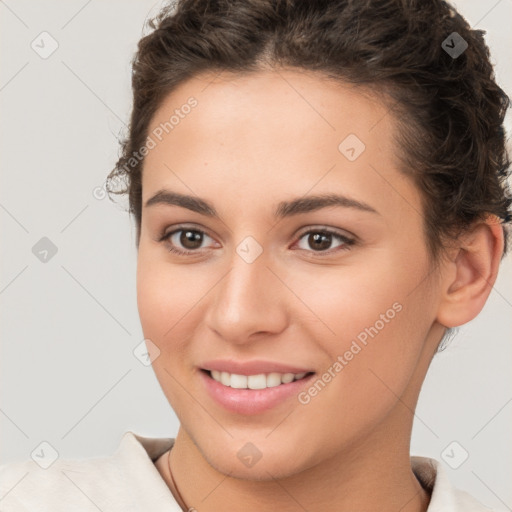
[347,242]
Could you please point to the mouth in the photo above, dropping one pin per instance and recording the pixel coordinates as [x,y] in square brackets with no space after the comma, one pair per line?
[258,381]
[253,394]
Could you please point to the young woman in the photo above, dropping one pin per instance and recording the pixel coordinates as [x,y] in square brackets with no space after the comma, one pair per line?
[319,194]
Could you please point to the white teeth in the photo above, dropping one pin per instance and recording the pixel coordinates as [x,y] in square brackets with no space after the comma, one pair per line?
[287,377]
[256,381]
[225,378]
[259,381]
[238,381]
[273,379]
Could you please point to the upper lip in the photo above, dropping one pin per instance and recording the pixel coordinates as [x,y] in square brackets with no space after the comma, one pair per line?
[253,367]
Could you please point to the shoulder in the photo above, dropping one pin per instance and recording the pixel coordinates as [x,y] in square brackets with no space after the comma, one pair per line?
[444,495]
[66,484]
[116,483]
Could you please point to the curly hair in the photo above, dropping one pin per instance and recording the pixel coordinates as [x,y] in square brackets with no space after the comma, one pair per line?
[448,106]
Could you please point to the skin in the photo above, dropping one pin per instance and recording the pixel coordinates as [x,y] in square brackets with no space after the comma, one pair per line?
[251,142]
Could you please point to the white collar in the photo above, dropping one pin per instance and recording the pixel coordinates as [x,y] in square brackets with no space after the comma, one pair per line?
[128,481]
[430,472]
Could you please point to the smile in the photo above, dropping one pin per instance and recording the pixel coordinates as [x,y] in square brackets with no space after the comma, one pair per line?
[255,393]
[259,381]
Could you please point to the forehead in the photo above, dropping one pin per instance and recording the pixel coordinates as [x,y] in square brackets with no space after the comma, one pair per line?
[283,132]
[302,101]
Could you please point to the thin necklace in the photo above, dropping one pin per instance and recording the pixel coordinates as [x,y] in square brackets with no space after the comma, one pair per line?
[174,483]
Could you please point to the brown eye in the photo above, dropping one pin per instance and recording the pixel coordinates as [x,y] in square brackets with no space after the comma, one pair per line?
[321,240]
[185,240]
[190,239]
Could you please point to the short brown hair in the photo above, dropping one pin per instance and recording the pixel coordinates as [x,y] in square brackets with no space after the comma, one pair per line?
[451,133]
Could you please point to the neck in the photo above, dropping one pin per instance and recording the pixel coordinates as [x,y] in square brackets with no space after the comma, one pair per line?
[375,475]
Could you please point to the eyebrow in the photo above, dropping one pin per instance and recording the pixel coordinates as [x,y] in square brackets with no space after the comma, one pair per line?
[283,209]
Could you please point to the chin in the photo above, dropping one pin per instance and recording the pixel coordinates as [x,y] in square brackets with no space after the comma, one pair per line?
[263,470]
[260,460]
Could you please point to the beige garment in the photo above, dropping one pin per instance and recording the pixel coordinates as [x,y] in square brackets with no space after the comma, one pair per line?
[129,481]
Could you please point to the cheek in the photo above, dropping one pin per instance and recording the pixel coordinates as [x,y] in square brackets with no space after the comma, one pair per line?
[373,327]
[170,300]
[166,296]
[165,301]
[365,377]
[343,302]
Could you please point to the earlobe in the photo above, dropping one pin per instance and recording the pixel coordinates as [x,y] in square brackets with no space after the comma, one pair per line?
[470,276]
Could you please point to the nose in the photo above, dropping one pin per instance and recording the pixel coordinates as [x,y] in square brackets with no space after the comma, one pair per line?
[248,302]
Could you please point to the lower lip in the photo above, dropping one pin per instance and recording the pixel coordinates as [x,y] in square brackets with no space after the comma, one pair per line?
[251,401]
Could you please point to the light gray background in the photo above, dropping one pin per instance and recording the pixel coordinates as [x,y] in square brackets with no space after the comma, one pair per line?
[69,326]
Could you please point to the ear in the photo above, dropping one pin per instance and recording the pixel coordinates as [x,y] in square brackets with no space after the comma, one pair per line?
[470,273]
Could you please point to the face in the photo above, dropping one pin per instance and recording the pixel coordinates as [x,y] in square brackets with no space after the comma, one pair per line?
[295,271]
